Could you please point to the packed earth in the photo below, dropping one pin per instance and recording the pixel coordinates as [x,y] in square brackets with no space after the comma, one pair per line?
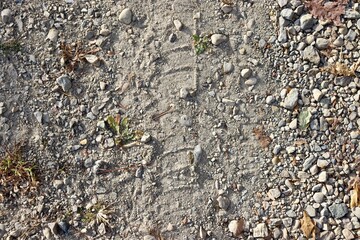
[183,119]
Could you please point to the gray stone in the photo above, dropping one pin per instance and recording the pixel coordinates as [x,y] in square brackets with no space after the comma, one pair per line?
[342,81]
[64,82]
[282,36]
[282,3]
[317,94]
[321,43]
[184,93]
[145,138]
[178,25]
[38,115]
[269,100]
[274,193]
[260,231]
[54,227]
[338,210]
[306,21]
[223,202]
[2,230]
[6,16]
[311,54]
[291,99]
[276,149]
[52,35]
[318,197]
[287,13]
[339,41]
[356,212]
[126,16]
[351,14]
[217,39]
[228,67]
[226,8]
[246,73]
[311,211]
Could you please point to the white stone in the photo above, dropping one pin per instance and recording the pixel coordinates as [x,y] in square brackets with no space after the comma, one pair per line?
[322,177]
[317,94]
[217,39]
[178,25]
[260,231]
[126,16]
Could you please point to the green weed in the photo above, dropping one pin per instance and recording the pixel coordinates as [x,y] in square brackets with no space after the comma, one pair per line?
[120,126]
[201,43]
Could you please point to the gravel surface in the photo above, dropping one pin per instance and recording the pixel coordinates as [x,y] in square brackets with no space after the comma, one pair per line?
[151,119]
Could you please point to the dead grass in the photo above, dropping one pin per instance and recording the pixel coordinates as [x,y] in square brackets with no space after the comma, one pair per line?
[16,174]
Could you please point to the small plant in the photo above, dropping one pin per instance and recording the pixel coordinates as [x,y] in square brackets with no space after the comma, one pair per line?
[10,46]
[123,133]
[98,214]
[15,171]
[201,43]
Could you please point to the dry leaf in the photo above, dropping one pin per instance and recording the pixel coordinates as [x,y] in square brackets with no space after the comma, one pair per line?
[355,196]
[327,10]
[340,69]
[308,226]
[262,137]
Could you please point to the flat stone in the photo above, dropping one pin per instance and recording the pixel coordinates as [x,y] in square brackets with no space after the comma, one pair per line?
[260,231]
[236,227]
[348,235]
[311,54]
[52,35]
[217,39]
[356,212]
[126,16]
[311,211]
[338,210]
[291,99]
[251,82]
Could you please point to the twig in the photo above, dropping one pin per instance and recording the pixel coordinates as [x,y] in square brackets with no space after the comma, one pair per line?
[157,116]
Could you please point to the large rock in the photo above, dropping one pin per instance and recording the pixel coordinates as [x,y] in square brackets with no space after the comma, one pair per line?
[311,54]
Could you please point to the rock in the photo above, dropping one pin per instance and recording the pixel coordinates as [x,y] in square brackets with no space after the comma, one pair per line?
[274,193]
[223,202]
[291,99]
[102,86]
[269,100]
[318,197]
[64,82]
[354,134]
[228,67]
[306,21]
[338,210]
[287,13]
[197,153]
[317,94]
[311,211]
[236,227]
[178,25]
[145,138]
[321,43]
[339,41]
[55,229]
[293,124]
[126,16]
[149,237]
[2,230]
[322,177]
[6,16]
[342,81]
[184,93]
[172,37]
[52,35]
[246,73]
[47,233]
[202,233]
[347,234]
[251,81]
[282,3]
[58,183]
[356,212]
[38,115]
[64,226]
[226,8]
[217,39]
[260,231]
[311,54]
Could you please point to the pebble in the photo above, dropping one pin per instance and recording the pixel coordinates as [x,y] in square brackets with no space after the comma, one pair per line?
[311,211]
[226,8]
[52,35]
[291,99]
[149,237]
[6,16]
[317,94]
[223,202]
[321,43]
[184,93]
[282,3]
[269,100]
[306,21]
[126,16]
[64,82]
[58,183]
[228,67]
[197,153]
[318,197]
[347,234]
[338,210]
[287,13]
[38,115]
[293,124]
[54,227]
[236,227]
[322,177]
[145,138]
[246,73]
[217,39]
[178,25]
[311,54]
[2,230]
[274,193]
[251,81]
[260,231]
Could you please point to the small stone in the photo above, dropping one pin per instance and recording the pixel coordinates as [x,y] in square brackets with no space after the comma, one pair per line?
[64,82]
[317,94]
[178,25]
[347,234]
[291,99]
[251,82]
[282,3]
[246,73]
[308,163]
[217,39]
[354,134]
[311,54]
[47,233]
[38,115]
[6,16]
[172,37]
[53,35]
[351,14]
[102,86]
[145,138]
[269,100]
[223,202]
[149,237]
[126,16]
[274,193]
[306,21]
[277,150]
[339,41]
[197,153]
[236,227]
[356,212]
[318,197]
[287,13]
[228,67]
[83,142]
[2,230]
[293,124]
[290,149]
[260,231]
[321,43]
[226,8]
[311,211]
[322,177]
[64,226]
[338,210]
[184,93]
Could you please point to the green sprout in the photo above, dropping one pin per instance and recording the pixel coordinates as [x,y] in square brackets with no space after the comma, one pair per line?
[123,133]
[200,43]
